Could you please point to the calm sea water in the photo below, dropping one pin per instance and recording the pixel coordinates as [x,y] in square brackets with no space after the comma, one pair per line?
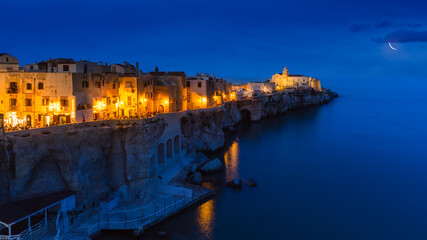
[355,168]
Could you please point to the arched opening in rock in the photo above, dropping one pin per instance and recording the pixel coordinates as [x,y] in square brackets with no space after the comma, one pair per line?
[176,143]
[161,153]
[169,149]
[246,115]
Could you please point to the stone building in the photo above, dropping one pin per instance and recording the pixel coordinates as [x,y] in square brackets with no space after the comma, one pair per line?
[36,99]
[161,92]
[285,80]
[266,87]
[200,91]
[8,62]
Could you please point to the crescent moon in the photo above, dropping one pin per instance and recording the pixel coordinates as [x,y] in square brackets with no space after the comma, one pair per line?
[395,49]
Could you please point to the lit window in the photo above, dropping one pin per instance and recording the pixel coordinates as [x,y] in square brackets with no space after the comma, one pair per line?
[64,102]
[45,101]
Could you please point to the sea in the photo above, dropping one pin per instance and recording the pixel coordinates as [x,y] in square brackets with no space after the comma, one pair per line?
[355,168]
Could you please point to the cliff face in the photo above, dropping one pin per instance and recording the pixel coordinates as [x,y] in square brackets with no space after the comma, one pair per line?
[202,129]
[94,159]
[89,159]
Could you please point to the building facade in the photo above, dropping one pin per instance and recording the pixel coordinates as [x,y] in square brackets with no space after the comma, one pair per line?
[285,80]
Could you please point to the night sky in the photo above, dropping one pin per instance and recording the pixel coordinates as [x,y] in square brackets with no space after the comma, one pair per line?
[340,42]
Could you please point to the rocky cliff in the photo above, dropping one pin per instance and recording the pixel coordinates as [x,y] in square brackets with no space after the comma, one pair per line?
[94,159]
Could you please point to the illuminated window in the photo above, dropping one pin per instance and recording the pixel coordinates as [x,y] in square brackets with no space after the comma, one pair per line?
[40,85]
[64,102]
[45,101]
[29,86]
[28,102]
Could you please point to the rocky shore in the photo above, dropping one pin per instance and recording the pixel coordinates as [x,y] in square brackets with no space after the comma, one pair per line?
[119,157]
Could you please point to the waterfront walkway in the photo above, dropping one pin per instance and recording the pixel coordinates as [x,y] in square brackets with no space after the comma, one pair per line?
[173,195]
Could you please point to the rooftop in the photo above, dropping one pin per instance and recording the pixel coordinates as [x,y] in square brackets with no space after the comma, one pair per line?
[14,211]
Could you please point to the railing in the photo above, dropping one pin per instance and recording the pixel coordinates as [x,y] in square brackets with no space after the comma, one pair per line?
[29,233]
[138,217]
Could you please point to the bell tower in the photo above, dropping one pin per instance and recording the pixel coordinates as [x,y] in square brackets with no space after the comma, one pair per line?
[285,72]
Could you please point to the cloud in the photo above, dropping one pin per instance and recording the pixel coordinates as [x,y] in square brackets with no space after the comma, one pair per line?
[359,27]
[363,27]
[416,25]
[404,36]
[383,24]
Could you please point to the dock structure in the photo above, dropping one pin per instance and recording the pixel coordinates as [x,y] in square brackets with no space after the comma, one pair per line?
[30,218]
[140,216]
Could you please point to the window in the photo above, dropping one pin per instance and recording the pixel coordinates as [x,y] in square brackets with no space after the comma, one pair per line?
[199,84]
[12,102]
[85,84]
[65,68]
[28,102]
[13,87]
[97,85]
[129,101]
[31,67]
[103,82]
[128,84]
[51,69]
[40,85]
[29,86]
[188,84]
[7,59]
[64,102]
[45,101]
[114,86]
[108,100]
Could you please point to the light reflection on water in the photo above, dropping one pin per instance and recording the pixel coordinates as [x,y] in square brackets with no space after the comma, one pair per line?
[231,159]
[206,218]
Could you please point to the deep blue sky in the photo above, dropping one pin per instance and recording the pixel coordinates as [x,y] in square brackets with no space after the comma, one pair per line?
[339,42]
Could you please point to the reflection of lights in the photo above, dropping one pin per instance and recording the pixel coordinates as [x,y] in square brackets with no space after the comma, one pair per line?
[166,101]
[231,159]
[205,218]
[204,100]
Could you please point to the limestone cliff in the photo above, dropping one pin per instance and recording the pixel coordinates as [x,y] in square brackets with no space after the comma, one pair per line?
[96,158]
[91,159]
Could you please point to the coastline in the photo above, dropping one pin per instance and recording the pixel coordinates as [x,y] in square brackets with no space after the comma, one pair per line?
[201,130]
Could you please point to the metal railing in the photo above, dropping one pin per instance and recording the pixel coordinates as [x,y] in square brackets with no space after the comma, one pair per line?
[30,233]
[138,217]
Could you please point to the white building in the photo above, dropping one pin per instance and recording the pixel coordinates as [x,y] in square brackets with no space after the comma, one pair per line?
[260,86]
[285,80]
